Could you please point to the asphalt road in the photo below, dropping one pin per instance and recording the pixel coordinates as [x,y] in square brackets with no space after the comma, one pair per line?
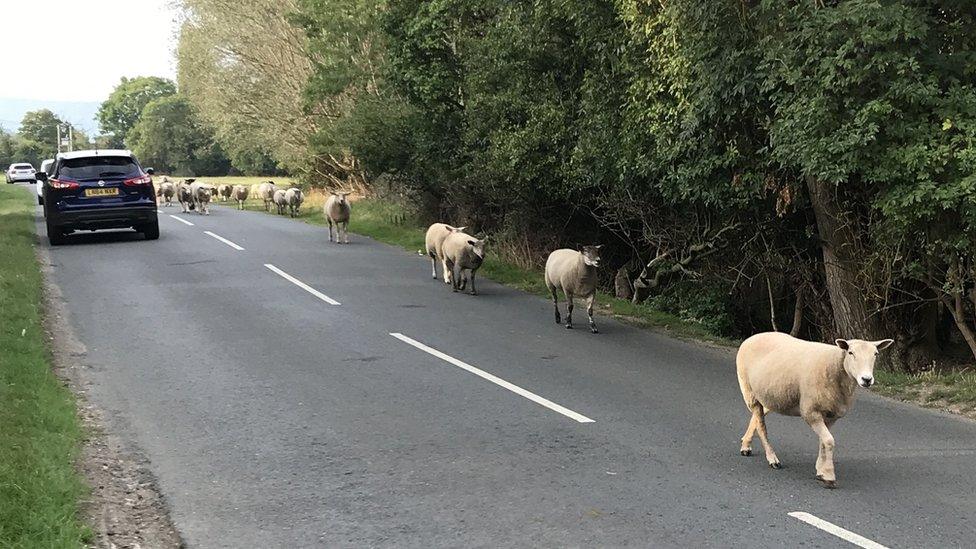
[273,418]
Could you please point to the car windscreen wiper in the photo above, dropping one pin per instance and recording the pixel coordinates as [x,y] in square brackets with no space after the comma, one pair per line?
[110,174]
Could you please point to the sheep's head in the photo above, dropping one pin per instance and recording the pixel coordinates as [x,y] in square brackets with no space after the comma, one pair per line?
[455,229]
[478,246]
[859,358]
[591,255]
[340,197]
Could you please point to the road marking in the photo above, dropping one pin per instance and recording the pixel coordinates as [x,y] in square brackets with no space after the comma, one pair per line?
[832,528]
[224,240]
[494,379]
[181,220]
[302,285]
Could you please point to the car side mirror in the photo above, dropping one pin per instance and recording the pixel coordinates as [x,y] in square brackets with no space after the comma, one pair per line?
[41,176]
[150,171]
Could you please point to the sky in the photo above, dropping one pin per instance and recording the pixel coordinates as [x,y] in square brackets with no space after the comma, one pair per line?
[86,48]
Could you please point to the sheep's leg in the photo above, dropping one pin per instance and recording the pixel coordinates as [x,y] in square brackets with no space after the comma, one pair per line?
[555,303]
[760,415]
[589,312]
[473,291]
[462,279]
[569,311]
[448,273]
[329,219]
[454,275]
[433,267]
[345,232]
[825,461]
[746,448]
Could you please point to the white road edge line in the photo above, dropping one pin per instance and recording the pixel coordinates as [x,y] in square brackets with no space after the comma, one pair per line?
[494,379]
[832,528]
[224,240]
[181,220]
[302,285]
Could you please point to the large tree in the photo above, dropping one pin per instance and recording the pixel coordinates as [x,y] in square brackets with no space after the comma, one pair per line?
[170,137]
[120,112]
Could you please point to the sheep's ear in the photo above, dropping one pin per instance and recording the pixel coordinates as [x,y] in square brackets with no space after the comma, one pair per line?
[333,193]
[883,344]
[842,343]
[598,246]
[472,242]
[459,229]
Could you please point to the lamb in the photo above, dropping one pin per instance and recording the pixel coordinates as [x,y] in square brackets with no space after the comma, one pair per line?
[201,194]
[294,198]
[436,234]
[184,195]
[167,190]
[462,254]
[280,201]
[338,211]
[239,193]
[266,192]
[575,273]
[815,381]
[224,192]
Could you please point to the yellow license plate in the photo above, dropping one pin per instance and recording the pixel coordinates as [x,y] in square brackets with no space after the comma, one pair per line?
[101,192]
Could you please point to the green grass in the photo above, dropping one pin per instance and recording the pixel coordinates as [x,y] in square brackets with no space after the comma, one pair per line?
[936,389]
[39,430]
[391,223]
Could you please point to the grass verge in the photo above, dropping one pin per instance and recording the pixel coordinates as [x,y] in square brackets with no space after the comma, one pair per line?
[39,430]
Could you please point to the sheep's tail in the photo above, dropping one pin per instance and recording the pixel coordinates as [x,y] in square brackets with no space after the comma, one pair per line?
[740,372]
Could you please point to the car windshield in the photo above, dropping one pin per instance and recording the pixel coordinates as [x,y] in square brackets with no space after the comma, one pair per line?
[95,167]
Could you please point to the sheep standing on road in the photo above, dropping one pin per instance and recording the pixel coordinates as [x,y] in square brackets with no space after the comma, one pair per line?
[280,201]
[266,193]
[575,273]
[294,198]
[185,195]
[463,255]
[434,239]
[816,381]
[167,190]
[239,193]
[201,194]
[338,211]
[224,192]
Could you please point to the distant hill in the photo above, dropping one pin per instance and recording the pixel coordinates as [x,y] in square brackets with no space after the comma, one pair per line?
[79,113]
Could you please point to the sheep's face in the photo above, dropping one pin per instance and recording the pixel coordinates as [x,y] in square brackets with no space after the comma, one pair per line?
[591,255]
[340,198]
[478,247]
[859,358]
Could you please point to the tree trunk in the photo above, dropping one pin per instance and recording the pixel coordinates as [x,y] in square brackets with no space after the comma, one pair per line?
[838,237]
[797,313]
[622,284]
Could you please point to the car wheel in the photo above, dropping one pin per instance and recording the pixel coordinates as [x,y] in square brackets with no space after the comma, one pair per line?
[54,234]
[150,230]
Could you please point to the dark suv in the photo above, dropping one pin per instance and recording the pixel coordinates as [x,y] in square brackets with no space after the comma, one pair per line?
[104,189]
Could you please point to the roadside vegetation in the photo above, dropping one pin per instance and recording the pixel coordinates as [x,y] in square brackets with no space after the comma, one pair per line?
[40,435]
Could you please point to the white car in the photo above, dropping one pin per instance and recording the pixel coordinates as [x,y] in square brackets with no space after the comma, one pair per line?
[21,172]
[45,167]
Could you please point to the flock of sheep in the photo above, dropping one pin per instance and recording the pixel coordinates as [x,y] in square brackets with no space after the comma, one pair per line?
[776,372]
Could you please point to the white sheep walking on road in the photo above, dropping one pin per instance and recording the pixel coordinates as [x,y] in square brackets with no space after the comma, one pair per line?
[167,190]
[815,381]
[575,273]
[184,195]
[463,255]
[224,192]
[201,194]
[280,201]
[266,193]
[294,198]
[338,211]
[434,239]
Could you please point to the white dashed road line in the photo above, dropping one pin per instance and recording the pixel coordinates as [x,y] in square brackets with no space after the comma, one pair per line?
[302,285]
[181,220]
[224,240]
[832,528]
[494,379]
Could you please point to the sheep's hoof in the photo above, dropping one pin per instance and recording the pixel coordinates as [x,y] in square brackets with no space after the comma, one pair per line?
[745,452]
[593,330]
[474,293]
[776,465]
[829,484]
[569,326]
[558,320]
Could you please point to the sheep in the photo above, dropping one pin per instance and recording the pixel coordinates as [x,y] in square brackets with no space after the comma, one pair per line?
[436,234]
[337,211]
[575,273]
[463,253]
[184,195]
[201,194]
[224,192]
[253,190]
[239,193]
[815,381]
[167,190]
[266,192]
[280,201]
[294,199]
